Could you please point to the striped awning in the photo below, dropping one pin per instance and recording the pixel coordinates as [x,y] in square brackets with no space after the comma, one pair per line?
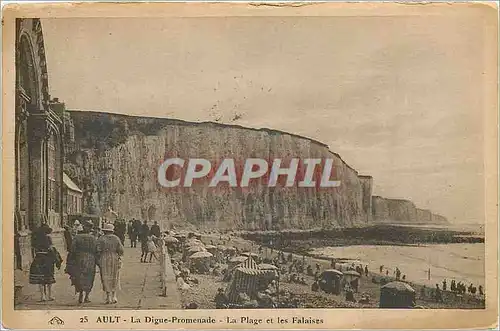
[250,263]
[245,279]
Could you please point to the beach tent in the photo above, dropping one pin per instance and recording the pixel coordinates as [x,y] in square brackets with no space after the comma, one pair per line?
[331,280]
[351,275]
[397,295]
[233,263]
[246,279]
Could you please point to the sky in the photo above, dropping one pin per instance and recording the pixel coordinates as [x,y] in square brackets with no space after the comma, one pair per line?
[399,98]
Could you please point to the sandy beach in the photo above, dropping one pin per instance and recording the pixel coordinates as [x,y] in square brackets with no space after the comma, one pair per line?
[462,262]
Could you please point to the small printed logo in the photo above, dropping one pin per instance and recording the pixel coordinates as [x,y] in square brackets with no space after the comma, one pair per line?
[56,321]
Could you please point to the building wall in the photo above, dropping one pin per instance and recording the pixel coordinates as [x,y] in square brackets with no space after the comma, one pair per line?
[38,144]
[73,202]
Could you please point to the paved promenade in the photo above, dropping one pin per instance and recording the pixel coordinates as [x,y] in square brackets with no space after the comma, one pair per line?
[140,288]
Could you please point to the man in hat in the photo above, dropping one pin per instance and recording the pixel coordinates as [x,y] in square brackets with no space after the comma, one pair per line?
[77,227]
[155,230]
[144,234]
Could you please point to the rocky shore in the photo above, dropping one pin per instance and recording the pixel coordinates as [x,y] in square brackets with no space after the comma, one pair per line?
[303,241]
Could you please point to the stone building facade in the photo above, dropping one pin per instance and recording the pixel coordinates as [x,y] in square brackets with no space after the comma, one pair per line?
[38,144]
[73,196]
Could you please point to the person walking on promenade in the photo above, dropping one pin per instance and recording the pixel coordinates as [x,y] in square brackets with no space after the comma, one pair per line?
[109,253]
[42,267]
[77,227]
[144,240]
[151,248]
[81,264]
[68,238]
[132,234]
[155,230]
[120,230]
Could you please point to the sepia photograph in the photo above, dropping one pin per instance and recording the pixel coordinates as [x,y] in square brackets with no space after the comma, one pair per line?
[280,161]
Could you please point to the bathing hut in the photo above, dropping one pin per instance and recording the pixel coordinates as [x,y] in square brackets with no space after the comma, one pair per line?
[397,295]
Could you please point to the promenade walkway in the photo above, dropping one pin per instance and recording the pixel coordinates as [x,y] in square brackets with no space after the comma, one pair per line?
[140,289]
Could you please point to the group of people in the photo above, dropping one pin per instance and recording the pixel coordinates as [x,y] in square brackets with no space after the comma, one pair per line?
[461,288]
[87,248]
[397,273]
[148,237]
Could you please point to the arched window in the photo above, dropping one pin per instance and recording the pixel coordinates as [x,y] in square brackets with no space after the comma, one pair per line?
[27,73]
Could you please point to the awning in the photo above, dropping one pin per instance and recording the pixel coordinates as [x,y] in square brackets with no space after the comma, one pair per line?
[70,184]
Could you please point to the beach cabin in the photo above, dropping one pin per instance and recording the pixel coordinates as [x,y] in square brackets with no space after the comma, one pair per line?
[331,281]
[397,295]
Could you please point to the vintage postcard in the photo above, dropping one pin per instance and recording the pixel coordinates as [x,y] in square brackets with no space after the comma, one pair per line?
[250,165]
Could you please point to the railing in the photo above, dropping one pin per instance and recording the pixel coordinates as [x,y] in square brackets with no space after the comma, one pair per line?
[163,266]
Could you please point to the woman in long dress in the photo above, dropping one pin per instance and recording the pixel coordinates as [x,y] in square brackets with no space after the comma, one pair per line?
[109,252]
[81,265]
[46,257]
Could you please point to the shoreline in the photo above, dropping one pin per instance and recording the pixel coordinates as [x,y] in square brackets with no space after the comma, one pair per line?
[203,292]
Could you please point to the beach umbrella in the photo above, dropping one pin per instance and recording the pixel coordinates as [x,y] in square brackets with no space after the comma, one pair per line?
[238,259]
[194,242]
[249,254]
[266,266]
[195,249]
[171,240]
[201,255]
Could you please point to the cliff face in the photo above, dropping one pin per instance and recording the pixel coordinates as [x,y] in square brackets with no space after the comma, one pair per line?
[116,159]
[398,211]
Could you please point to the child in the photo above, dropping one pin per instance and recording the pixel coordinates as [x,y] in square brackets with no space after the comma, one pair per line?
[151,248]
[46,257]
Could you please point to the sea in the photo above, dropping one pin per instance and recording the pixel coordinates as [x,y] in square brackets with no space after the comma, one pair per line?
[462,262]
